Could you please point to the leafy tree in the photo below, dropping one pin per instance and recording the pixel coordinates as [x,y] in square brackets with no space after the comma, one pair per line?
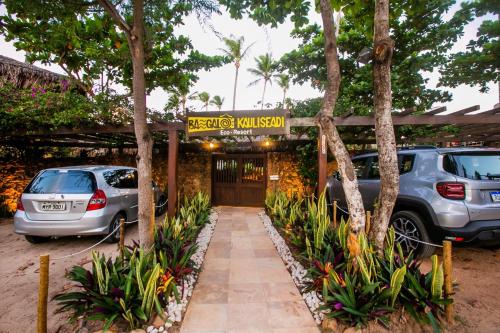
[204,97]
[480,63]
[131,42]
[217,101]
[422,39]
[236,52]
[264,71]
[283,81]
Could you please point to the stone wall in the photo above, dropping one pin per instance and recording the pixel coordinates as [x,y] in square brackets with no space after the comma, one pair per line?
[194,174]
[285,166]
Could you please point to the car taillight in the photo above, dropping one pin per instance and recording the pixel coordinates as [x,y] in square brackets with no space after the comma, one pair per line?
[20,203]
[449,190]
[98,201]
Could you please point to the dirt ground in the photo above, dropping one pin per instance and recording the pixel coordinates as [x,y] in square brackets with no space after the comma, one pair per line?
[476,271]
[19,264]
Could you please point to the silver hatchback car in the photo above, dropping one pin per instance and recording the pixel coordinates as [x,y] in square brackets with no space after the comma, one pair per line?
[80,200]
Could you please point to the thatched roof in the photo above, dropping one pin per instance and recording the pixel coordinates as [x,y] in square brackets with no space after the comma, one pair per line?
[24,75]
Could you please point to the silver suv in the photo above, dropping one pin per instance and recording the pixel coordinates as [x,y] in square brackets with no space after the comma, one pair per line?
[80,200]
[451,193]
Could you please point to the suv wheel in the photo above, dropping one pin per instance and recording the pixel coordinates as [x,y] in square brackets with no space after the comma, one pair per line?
[115,224]
[408,225]
[36,239]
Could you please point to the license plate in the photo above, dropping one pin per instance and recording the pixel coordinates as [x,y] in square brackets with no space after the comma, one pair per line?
[52,206]
[495,196]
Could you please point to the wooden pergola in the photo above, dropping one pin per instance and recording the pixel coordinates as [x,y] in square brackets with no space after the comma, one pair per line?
[470,125]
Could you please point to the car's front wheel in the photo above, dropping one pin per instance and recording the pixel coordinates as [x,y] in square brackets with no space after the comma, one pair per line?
[113,235]
[411,233]
[36,239]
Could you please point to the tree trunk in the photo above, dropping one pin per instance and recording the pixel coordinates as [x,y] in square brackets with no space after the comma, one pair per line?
[384,130]
[263,95]
[135,37]
[337,147]
[235,85]
[142,134]
[284,96]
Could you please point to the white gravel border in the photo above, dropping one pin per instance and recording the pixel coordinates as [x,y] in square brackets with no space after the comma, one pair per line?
[174,310]
[297,271]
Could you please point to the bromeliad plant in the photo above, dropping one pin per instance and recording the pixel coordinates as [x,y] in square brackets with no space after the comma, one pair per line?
[362,286]
[114,289]
[138,285]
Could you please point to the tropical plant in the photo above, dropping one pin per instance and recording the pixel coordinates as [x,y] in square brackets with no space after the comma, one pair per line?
[204,97]
[283,81]
[264,71]
[236,52]
[116,289]
[139,284]
[361,286]
[217,101]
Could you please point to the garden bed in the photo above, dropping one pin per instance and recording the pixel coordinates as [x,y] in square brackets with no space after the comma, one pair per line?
[144,289]
[344,282]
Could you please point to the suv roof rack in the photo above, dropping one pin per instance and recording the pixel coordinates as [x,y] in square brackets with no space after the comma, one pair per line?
[418,147]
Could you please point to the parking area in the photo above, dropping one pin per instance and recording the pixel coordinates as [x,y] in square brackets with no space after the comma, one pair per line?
[19,262]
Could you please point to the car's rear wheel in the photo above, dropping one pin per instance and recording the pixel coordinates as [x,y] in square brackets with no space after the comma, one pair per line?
[36,239]
[113,235]
[411,232]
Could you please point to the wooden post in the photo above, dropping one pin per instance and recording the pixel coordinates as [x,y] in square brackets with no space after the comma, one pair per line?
[43,291]
[448,287]
[368,221]
[335,213]
[172,172]
[322,157]
[122,237]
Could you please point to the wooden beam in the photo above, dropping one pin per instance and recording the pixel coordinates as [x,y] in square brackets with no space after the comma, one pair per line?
[466,110]
[173,146]
[156,127]
[435,111]
[322,161]
[405,120]
[405,112]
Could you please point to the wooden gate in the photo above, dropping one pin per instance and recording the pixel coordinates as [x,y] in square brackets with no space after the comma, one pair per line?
[239,180]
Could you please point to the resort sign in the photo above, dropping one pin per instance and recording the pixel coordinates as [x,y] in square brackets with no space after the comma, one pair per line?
[267,122]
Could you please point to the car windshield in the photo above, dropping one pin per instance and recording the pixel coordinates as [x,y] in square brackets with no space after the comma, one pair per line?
[63,181]
[478,166]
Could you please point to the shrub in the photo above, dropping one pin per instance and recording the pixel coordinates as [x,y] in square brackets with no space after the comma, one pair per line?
[140,284]
[362,286]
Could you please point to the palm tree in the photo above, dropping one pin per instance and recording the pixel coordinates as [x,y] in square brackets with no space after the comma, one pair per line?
[204,97]
[283,80]
[264,71]
[234,50]
[217,101]
[177,101]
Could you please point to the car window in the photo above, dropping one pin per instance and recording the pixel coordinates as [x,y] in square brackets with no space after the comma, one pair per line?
[473,165]
[64,182]
[373,169]
[405,162]
[359,167]
[123,178]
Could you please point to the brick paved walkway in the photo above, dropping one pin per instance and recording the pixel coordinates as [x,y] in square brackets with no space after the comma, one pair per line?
[244,285]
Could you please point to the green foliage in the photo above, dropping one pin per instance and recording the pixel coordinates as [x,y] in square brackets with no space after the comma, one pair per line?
[365,286]
[83,39]
[138,286]
[307,157]
[480,63]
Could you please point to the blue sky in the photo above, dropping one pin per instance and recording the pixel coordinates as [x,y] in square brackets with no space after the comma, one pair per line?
[277,41]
